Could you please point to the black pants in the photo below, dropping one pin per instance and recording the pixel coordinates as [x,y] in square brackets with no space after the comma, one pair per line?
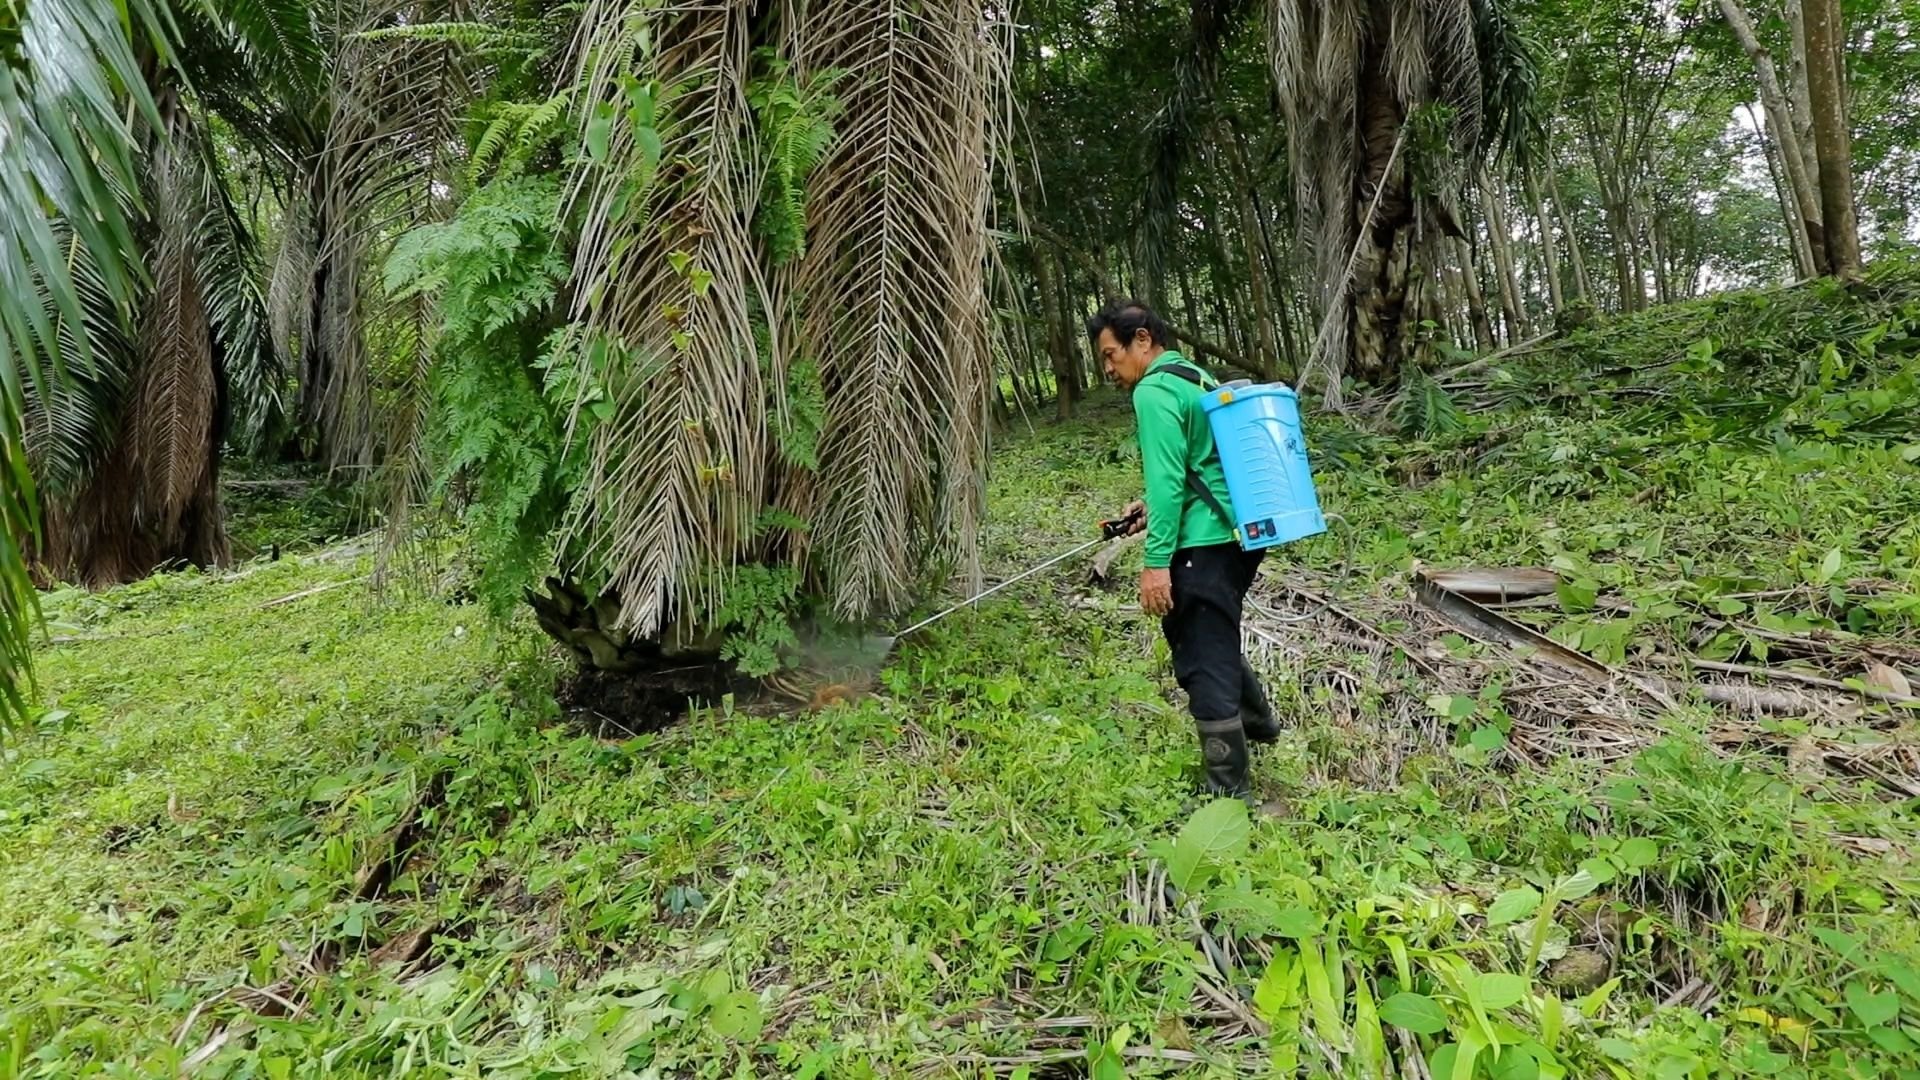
[1209,586]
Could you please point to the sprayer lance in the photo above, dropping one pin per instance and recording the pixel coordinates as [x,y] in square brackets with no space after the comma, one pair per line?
[1109,530]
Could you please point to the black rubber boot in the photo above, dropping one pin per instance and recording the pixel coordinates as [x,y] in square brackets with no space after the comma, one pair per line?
[1256,715]
[1224,756]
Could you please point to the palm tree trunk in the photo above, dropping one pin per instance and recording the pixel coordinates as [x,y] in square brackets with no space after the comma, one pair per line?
[1826,79]
[1379,333]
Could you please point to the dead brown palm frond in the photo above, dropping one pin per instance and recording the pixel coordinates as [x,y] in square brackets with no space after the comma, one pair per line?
[667,270]
[170,423]
[893,293]
[394,102]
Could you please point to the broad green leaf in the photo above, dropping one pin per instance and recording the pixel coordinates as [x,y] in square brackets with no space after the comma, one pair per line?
[1619,1049]
[1370,1040]
[1515,1064]
[1830,565]
[599,130]
[1553,1020]
[1501,990]
[1279,989]
[1441,1063]
[1676,1065]
[1297,923]
[1417,1013]
[1216,831]
[1328,1011]
[1764,1062]
[737,1015]
[1639,852]
[1512,906]
[1838,940]
[1487,738]
[1599,869]
[1577,597]
[1873,1008]
[1576,885]
[1904,977]
[1471,1044]
[1892,1040]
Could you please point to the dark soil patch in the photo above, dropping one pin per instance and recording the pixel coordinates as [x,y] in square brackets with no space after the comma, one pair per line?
[613,705]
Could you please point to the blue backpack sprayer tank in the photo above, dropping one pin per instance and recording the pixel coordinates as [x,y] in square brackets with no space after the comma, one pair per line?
[1263,452]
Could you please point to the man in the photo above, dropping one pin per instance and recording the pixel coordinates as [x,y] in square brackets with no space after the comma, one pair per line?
[1196,576]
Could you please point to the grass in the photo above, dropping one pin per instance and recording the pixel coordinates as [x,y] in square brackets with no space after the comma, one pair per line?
[957,874]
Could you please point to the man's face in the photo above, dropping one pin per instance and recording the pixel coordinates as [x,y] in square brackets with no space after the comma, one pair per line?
[1125,363]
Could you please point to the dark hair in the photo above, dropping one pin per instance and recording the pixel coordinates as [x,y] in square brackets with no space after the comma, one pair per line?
[1126,318]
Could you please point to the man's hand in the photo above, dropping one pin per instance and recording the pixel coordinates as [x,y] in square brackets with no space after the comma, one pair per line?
[1156,591]
[1136,516]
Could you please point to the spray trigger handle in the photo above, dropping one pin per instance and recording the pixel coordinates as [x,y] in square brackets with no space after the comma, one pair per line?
[1114,528]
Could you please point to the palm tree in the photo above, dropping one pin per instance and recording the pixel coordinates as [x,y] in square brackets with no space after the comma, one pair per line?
[1387,103]
[838,385]
[340,126]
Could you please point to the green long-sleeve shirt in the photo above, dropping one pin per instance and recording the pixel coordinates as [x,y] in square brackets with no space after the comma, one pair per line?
[1174,436]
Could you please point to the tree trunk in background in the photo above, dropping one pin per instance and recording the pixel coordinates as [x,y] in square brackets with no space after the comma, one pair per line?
[1798,230]
[1802,98]
[1187,298]
[1549,257]
[1282,291]
[1257,283]
[1500,245]
[1476,299]
[1826,81]
[1582,284]
[1059,339]
[1662,254]
[1781,124]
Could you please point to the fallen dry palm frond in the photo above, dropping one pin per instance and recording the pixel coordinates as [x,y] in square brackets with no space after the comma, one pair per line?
[1379,686]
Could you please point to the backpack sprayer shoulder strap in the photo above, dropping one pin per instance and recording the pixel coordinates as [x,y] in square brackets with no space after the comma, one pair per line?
[1199,378]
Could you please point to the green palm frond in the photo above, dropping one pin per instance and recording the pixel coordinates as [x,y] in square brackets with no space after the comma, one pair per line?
[1513,121]
[231,276]
[281,36]
[65,81]
[1423,408]
[71,422]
